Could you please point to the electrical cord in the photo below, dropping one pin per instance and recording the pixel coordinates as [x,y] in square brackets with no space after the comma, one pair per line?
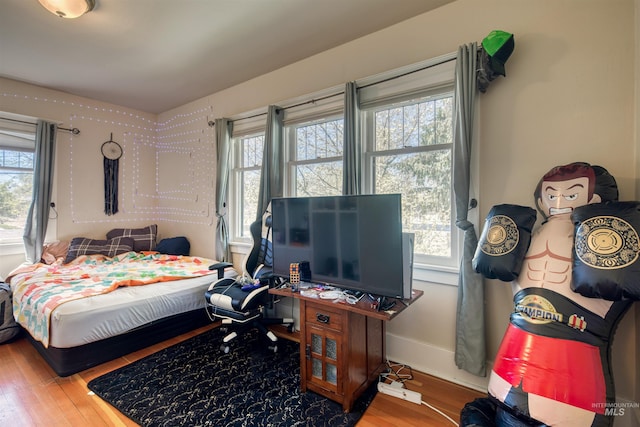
[396,374]
[440,412]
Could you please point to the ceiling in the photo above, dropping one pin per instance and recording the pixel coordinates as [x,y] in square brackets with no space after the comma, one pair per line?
[154,55]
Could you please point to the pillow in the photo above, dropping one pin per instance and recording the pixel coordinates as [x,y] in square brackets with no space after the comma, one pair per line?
[112,247]
[145,238]
[52,251]
[174,246]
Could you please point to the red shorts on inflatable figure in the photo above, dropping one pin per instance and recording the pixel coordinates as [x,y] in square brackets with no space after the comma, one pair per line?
[573,278]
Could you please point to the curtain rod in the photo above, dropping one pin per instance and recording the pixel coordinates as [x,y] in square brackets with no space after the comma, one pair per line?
[311,101]
[74,131]
[426,67]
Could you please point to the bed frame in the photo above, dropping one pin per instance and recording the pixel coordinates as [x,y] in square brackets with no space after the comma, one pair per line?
[68,361]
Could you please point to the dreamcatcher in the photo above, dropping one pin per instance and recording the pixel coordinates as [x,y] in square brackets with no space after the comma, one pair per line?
[112,151]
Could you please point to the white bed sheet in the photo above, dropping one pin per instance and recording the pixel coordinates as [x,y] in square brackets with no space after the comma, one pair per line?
[98,317]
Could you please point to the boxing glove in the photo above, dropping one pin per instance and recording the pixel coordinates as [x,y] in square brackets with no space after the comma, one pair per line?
[606,251]
[504,242]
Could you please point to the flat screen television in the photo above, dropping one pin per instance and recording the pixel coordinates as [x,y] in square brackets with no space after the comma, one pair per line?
[353,242]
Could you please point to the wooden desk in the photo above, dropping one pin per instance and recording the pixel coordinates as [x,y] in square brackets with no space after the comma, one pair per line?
[342,346]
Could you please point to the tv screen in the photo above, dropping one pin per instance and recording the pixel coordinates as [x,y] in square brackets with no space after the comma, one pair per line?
[353,242]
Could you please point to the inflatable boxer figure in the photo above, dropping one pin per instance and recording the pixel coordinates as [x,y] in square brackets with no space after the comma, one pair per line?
[573,279]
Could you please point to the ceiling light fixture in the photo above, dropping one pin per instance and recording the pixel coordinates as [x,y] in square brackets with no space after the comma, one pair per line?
[68,8]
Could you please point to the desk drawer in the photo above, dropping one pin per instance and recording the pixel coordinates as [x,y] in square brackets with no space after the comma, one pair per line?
[323,317]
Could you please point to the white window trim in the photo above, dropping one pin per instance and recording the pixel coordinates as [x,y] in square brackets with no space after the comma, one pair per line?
[291,163]
[380,89]
[20,124]
[234,197]
[416,80]
[11,248]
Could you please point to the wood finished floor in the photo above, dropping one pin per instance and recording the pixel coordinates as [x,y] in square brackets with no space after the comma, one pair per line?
[32,395]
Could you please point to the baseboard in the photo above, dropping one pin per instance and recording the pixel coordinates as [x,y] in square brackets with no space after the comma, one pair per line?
[433,361]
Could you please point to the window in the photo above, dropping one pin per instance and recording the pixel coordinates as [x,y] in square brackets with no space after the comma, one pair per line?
[409,151]
[407,130]
[247,155]
[315,152]
[16,179]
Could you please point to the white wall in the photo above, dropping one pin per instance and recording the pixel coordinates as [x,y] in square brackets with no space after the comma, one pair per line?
[567,97]
[78,192]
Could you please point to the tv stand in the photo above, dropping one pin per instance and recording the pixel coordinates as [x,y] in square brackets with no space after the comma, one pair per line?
[342,346]
[385,303]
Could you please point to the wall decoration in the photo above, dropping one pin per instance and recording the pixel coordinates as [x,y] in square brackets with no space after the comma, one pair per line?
[111,151]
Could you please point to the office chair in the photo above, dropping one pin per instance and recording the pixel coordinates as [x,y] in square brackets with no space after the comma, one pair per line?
[241,303]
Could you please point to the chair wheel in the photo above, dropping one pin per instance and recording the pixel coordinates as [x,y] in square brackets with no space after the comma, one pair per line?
[273,348]
[224,348]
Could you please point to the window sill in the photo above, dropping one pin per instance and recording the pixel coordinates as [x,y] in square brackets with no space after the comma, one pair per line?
[435,274]
[15,248]
[421,272]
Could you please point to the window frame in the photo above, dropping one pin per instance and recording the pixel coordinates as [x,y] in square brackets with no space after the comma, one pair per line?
[399,85]
[237,185]
[250,124]
[25,127]
[423,263]
[291,161]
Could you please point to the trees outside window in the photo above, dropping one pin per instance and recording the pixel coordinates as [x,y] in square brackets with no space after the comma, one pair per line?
[410,152]
[315,161]
[407,148]
[16,179]
[246,180]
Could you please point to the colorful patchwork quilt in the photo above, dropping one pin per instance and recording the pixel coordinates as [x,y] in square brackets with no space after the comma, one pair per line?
[39,288]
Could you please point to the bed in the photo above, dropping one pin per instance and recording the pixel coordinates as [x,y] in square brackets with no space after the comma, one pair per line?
[106,298]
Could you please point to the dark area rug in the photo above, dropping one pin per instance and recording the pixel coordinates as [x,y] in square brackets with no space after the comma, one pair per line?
[194,383]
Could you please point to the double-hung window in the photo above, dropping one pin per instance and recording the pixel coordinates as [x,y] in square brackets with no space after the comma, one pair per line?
[410,151]
[314,138]
[17,143]
[407,129]
[408,139]
[247,161]
[315,158]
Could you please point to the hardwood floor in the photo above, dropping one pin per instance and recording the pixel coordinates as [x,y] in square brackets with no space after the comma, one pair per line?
[32,395]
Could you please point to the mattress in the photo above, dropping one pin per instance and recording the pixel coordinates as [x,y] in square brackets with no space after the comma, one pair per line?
[98,317]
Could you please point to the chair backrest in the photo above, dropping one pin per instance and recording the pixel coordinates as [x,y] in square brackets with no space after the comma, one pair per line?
[261,255]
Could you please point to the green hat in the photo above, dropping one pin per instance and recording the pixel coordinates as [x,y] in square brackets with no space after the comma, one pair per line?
[499,46]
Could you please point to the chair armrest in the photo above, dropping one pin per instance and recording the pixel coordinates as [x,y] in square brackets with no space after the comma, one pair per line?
[220,266]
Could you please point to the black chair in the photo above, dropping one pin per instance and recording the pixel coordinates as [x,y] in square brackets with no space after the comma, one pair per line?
[242,303]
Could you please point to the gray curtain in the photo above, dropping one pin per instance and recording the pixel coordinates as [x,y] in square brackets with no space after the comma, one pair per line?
[271,174]
[470,352]
[224,129]
[352,166]
[35,227]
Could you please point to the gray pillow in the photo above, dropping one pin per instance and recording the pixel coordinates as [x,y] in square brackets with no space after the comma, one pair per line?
[145,238]
[112,247]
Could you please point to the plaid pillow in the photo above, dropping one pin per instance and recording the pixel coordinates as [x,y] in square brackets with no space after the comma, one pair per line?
[144,238]
[112,247]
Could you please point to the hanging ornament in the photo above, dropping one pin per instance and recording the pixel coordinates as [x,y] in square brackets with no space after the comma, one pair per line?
[112,151]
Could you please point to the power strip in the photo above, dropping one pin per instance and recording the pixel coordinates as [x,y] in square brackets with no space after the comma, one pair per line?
[400,393]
